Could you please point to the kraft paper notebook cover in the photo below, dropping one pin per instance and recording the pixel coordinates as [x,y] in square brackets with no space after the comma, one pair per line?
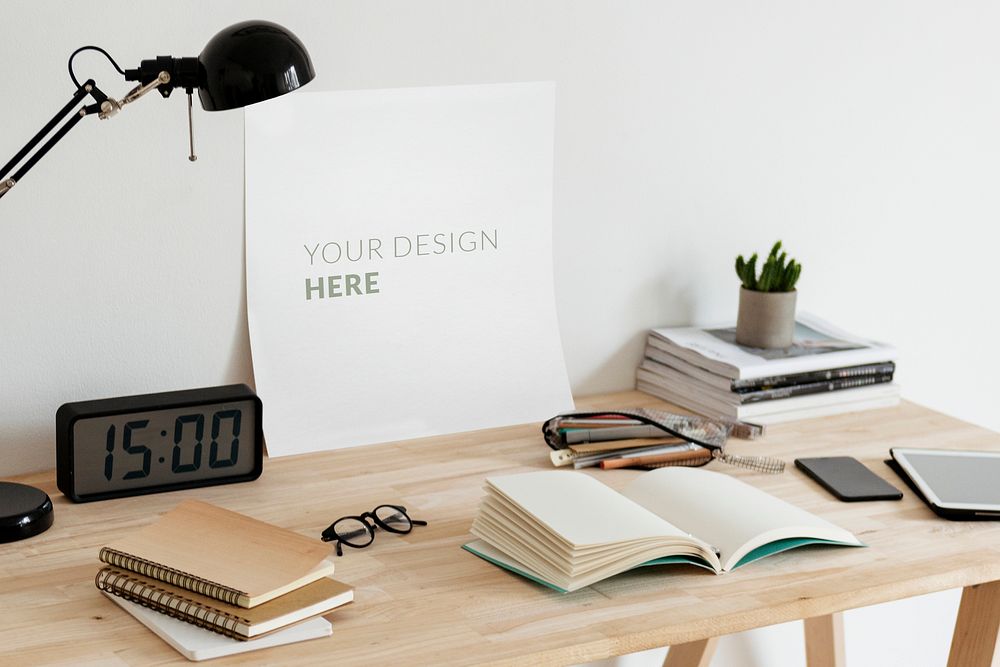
[222,554]
[319,597]
[198,644]
[567,530]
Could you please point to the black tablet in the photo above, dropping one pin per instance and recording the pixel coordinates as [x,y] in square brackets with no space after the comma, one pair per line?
[956,484]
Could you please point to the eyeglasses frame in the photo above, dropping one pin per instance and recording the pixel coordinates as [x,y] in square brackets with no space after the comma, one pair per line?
[371,522]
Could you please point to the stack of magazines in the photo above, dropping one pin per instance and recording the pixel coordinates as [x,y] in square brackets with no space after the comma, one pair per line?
[826,371]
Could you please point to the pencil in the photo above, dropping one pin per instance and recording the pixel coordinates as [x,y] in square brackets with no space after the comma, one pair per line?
[565,457]
[669,457]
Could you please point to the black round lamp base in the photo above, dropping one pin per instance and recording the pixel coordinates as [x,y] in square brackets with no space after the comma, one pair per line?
[24,511]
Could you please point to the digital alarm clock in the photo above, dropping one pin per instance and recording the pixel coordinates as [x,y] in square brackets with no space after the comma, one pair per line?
[134,445]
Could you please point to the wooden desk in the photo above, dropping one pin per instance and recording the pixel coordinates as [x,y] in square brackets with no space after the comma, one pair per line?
[422,600]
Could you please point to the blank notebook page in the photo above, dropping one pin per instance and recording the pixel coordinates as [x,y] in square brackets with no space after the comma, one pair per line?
[725,511]
[582,510]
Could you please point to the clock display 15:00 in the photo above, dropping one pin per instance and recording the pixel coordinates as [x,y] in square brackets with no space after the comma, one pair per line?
[164,446]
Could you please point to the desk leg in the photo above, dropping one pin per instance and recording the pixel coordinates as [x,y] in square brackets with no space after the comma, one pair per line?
[692,654]
[825,641]
[977,628]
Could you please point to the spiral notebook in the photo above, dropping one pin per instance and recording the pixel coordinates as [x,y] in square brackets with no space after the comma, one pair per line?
[197,644]
[221,554]
[319,597]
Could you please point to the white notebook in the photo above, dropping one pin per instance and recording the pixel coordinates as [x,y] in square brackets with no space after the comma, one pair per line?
[196,643]
[567,530]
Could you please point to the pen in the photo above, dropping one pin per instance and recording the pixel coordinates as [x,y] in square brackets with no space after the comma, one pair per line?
[580,435]
[618,445]
[592,460]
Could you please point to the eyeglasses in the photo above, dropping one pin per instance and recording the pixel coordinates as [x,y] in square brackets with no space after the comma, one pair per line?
[359,531]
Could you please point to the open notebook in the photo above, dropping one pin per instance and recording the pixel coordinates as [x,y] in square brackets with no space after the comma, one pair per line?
[567,530]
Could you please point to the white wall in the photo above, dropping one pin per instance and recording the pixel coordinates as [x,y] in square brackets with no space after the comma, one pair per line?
[866,135]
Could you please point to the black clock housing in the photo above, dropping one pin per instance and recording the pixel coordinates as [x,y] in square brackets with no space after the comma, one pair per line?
[134,445]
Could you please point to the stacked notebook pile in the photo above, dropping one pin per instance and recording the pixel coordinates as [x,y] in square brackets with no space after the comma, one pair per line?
[824,372]
[201,569]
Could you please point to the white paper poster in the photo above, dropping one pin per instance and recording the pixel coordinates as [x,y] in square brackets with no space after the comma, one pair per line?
[399,263]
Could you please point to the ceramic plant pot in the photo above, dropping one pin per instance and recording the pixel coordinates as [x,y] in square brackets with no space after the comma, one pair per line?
[766,319]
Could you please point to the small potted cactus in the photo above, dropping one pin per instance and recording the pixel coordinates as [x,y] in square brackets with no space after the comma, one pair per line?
[767,302]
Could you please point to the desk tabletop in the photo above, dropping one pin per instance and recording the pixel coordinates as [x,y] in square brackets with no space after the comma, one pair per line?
[420,599]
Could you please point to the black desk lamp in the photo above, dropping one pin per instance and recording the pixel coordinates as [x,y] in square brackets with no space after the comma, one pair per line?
[246,63]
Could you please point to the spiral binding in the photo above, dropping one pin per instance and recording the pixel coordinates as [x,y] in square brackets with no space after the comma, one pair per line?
[173,605]
[171,575]
[756,463]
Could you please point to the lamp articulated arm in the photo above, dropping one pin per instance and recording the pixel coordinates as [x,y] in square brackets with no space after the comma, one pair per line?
[104,106]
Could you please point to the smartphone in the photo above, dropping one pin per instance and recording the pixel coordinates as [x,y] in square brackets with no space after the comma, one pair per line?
[848,479]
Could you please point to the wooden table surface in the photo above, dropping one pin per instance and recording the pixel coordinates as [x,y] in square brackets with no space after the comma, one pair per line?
[420,599]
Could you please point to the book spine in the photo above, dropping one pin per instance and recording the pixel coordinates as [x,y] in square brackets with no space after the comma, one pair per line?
[811,388]
[165,602]
[171,576]
[775,381]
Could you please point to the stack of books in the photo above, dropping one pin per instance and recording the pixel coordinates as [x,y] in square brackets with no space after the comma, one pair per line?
[201,569]
[826,371]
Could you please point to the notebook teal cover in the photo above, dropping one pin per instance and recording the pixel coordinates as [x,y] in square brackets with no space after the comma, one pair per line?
[756,554]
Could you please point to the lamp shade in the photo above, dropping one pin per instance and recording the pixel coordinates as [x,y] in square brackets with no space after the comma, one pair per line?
[251,62]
